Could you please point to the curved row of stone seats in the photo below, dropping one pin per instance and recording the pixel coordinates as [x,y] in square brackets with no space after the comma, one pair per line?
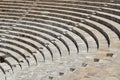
[30,52]
[58,21]
[23,41]
[103,9]
[27,32]
[14,55]
[51,33]
[11,66]
[26,44]
[14,10]
[106,1]
[46,32]
[74,22]
[32,31]
[28,22]
[81,8]
[35,33]
[63,30]
[17,51]
[89,3]
[18,46]
[10,55]
[15,6]
[107,25]
[92,28]
[58,30]
[72,26]
[19,30]
[5,58]
[26,35]
[10,12]
[17,3]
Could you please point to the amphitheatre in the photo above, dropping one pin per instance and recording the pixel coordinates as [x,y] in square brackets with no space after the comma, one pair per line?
[59,39]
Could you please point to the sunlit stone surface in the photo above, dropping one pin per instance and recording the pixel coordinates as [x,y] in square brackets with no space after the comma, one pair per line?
[60,40]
